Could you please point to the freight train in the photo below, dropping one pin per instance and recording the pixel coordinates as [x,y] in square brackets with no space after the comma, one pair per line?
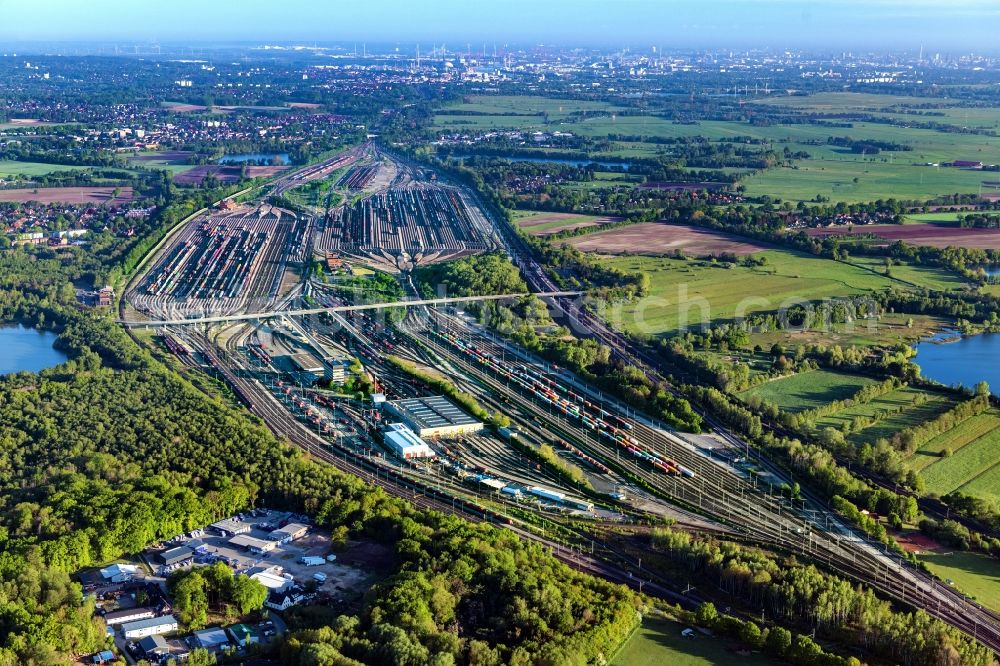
[590,414]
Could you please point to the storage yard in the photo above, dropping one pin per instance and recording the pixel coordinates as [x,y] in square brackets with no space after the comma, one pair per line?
[403,227]
[224,261]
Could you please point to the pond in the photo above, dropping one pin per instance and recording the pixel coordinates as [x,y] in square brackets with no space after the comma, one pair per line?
[966,361]
[256,158]
[23,348]
[555,160]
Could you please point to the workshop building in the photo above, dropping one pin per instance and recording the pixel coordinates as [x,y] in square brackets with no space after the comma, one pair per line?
[433,417]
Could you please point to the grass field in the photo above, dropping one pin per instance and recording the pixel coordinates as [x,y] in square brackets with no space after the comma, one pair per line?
[807,390]
[29,169]
[923,218]
[658,642]
[912,414]
[538,223]
[972,468]
[691,292]
[919,276]
[843,101]
[832,171]
[974,574]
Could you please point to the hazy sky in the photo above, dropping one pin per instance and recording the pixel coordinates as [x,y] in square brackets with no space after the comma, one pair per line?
[876,24]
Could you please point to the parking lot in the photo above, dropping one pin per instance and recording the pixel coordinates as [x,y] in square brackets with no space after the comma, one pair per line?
[287,556]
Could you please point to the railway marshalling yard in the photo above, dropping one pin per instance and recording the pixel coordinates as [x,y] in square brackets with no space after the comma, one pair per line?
[607,464]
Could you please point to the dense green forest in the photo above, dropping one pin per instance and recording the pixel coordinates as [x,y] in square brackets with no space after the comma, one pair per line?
[112,450]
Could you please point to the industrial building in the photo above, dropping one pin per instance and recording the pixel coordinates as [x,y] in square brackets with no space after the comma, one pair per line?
[243,635]
[177,555]
[253,544]
[119,573]
[127,615]
[149,627]
[154,647]
[435,416]
[230,527]
[306,362]
[272,579]
[212,638]
[405,443]
[289,533]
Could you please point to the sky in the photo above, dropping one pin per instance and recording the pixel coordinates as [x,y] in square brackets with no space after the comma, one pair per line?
[938,25]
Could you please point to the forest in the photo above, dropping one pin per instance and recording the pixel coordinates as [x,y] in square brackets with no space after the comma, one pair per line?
[112,450]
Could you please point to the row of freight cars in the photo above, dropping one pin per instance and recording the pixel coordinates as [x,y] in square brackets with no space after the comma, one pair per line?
[359,177]
[591,415]
[260,354]
[597,465]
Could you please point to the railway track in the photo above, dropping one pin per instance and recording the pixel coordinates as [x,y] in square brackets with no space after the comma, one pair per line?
[896,580]
[282,422]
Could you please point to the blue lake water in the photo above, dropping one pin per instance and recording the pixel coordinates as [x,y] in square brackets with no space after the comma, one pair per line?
[28,349]
[255,157]
[992,271]
[967,361]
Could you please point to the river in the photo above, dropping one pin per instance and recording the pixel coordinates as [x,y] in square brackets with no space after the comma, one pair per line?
[966,361]
[30,349]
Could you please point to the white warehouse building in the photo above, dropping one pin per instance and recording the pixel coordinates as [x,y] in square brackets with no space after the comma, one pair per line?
[405,443]
[149,627]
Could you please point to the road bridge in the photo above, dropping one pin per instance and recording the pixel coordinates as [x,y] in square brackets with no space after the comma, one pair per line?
[259,316]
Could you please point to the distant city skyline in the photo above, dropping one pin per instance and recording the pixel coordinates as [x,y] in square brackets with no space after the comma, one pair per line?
[878,25]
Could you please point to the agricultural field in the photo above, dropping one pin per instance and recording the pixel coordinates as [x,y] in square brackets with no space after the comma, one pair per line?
[688,292]
[927,277]
[943,217]
[658,641]
[538,223]
[656,238]
[21,123]
[30,169]
[515,112]
[974,464]
[69,195]
[808,390]
[840,102]
[903,408]
[225,174]
[974,574]
[832,170]
[174,161]
[932,234]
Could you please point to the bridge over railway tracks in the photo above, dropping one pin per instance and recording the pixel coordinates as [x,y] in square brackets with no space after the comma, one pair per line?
[258,316]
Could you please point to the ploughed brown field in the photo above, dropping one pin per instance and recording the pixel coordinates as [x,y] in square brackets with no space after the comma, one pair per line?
[67,195]
[225,174]
[545,224]
[933,235]
[660,238]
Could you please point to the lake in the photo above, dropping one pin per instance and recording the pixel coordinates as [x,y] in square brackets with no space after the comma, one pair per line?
[30,349]
[553,160]
[255,157]
[967,361]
